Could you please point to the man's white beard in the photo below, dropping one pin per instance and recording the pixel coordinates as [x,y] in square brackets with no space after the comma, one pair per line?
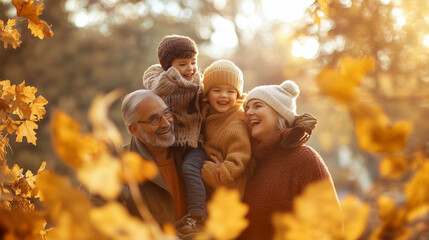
[155,141]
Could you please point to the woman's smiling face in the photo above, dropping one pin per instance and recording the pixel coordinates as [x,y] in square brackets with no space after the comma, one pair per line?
[262,119]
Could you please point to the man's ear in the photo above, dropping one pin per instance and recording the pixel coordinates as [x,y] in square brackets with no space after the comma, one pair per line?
[133,130]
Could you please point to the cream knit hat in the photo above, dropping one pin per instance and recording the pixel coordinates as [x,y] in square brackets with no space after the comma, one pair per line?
[223,72]
[282,98]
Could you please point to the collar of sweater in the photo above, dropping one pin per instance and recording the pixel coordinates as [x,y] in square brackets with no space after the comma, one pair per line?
[280,141]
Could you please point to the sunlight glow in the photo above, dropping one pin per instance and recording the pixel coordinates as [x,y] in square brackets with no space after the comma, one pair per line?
[307,48]
[285,10]
[224,35]
[426,40]
[81,19]
[399,17]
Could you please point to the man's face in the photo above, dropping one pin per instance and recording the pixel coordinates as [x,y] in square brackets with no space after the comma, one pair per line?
[149,111]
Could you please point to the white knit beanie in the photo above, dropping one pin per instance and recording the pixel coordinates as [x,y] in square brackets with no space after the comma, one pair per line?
[223,72]
[282,98]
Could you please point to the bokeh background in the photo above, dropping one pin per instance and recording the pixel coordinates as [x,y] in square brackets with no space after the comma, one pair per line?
[102,45]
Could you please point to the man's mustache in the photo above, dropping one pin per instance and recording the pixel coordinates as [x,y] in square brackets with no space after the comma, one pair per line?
[165,129]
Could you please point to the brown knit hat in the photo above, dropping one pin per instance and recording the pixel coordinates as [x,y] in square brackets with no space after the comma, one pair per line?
[223,72]
[172,46]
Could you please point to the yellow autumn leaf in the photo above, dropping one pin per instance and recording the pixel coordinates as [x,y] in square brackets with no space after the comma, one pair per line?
[374,131]
[103,127]
[68,209]
[114,221]
[355,215]
[31,11]
[101,176]
[341,83]
[393,166]
[9,35]
[316,215]
[26,129]
[73,148]
[416,189]
[25,93]
[19,225]
[7,91]
[37,108]
[7,175]
[139,168]
[226,215]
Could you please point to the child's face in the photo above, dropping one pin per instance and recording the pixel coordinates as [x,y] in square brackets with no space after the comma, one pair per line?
[222,97]
[187,67]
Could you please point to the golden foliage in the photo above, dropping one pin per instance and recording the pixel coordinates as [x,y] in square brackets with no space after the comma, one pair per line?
[341,83]
[317,215]
[9,35]
[114,221]
[226,216]
[374,131]
[31,11]
[20,110]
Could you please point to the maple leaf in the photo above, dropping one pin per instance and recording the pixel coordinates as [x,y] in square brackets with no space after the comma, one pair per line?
[70,146]
[7,175]
[226,215]
[7,91]
[9,35]
[374,131]
[26,129]
[341,83]
[114,221]
[31,11]
[393,166]
[138,168]
[37,108]
[17,224]
[25,93]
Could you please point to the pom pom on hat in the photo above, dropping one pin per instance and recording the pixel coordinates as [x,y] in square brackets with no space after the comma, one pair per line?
[172,46]
[223,72]
[282,98]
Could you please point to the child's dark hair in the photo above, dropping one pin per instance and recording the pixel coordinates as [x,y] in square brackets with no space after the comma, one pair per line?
[175,46]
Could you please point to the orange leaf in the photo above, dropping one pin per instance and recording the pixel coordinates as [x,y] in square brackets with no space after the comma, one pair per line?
[26,129]
[341,83]
[29,10]
[25,93]
[37,108]
[9,35]
[393,166]
[140,169]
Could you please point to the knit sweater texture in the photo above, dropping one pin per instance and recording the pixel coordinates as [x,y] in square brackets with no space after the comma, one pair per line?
[183,97]
[281,173]
[227,137]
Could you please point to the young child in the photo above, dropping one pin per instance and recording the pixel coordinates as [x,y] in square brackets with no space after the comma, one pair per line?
[227,143]
[177,81]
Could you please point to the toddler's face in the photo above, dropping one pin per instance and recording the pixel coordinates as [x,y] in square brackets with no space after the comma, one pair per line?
[187,67]
[222,97]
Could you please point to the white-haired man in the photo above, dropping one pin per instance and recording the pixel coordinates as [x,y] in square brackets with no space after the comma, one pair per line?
[150,122]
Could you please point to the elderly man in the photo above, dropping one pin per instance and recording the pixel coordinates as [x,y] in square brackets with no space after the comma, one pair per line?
[150,122]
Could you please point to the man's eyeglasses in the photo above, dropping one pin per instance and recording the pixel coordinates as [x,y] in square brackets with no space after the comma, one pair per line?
[155,120]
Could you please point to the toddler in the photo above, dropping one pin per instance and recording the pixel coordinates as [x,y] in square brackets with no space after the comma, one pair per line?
[227,142]
[177,81]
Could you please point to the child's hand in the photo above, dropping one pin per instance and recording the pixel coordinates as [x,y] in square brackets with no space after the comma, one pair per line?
[210,174]
[215,160]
